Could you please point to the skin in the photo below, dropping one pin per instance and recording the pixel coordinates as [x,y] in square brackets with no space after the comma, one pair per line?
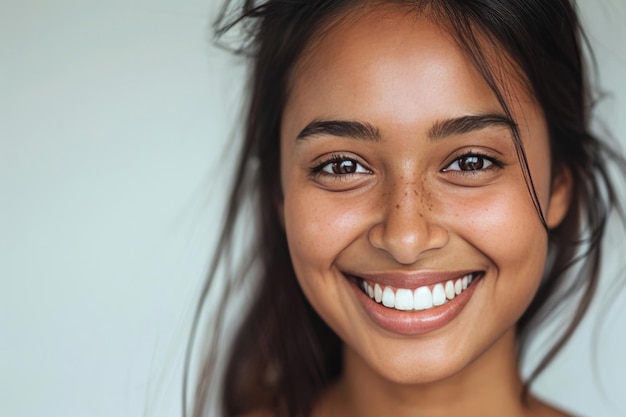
[408,207]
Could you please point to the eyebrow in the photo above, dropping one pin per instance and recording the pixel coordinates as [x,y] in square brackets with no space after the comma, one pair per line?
[340,128]
[470,123]
[441,129]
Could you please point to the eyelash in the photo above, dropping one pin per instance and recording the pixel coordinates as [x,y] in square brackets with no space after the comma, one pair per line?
[494,163]
[318,170]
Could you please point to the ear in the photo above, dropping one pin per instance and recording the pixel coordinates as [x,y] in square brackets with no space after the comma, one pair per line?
[560,197]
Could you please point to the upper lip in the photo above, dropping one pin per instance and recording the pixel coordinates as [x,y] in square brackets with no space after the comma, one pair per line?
[412,279]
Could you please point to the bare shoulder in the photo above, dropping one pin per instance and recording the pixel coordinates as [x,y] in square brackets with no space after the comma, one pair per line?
[542,409]
[554,412]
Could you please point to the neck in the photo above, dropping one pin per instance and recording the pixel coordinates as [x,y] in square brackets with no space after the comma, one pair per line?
[489,386]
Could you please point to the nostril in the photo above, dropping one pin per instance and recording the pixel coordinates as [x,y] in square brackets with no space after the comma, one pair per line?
[406,239]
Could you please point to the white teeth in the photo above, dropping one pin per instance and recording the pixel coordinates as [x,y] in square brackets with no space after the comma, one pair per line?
[450,290]
[389,298]
[422,298]
[378,293]
[439,295]
[404,299]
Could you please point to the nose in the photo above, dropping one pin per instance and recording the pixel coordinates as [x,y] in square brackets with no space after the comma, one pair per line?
[407,226]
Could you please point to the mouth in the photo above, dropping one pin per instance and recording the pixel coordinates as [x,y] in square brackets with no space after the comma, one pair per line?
[417,299]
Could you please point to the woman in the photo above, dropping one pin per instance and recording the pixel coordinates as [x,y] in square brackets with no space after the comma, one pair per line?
[426,184]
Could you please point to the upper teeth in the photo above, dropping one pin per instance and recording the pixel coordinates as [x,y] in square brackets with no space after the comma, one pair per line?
[421,298]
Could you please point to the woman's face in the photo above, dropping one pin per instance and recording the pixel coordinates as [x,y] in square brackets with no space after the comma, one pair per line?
[400,178]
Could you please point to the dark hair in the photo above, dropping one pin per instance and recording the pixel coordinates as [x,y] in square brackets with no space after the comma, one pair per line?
[284,354]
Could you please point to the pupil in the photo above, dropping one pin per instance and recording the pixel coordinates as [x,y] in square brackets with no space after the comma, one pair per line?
[471,163]
[344,167]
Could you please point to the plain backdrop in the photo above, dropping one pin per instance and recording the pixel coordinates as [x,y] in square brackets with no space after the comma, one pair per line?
[114,117]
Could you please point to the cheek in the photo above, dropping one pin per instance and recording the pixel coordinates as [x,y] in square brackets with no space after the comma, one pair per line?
[319,228]
[504,226]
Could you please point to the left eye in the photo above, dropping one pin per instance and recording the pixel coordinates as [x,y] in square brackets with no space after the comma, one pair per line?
[470,163]
[343,167]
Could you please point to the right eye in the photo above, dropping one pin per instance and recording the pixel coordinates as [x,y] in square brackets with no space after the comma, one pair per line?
[339,166]
[343,166]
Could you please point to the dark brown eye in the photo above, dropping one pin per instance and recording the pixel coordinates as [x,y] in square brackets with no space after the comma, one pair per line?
[343,166]
[470,163]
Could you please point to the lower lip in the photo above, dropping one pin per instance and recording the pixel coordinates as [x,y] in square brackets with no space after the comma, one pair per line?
[414,322]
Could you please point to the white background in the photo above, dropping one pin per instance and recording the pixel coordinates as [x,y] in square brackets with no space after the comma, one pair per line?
[113,118]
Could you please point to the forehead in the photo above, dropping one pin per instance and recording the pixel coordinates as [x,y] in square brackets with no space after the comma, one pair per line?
[397,45]
[385,65]
[366,25]
[377,33]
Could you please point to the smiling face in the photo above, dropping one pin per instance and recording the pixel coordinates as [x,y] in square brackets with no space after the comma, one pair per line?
[400,179]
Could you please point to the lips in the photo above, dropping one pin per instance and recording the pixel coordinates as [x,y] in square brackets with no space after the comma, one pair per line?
[417,304]
[421,298]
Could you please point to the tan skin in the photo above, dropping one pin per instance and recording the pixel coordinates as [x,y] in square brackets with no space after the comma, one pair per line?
[410,203]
